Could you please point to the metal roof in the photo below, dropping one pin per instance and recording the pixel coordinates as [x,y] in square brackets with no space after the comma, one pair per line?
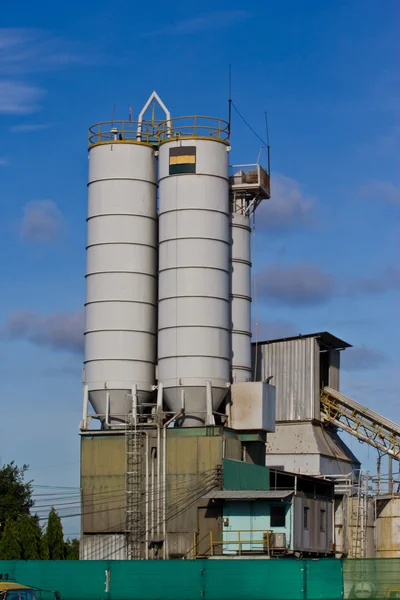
[247,494]
[325,339]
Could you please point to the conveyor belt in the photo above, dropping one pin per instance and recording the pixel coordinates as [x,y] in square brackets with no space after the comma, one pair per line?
[360,421]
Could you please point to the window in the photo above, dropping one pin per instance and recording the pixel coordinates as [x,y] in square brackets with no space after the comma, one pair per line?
[278,515]
[322,520]
[305,516]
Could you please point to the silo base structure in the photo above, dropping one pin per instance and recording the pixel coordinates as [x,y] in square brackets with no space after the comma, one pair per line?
[121,275]
[194,318]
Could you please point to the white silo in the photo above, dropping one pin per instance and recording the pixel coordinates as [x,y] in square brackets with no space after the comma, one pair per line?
[241,295]
[249,185]
[194,318]
[121,274]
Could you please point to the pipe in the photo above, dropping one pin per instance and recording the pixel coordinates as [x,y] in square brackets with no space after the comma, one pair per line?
[147,498]
[164,457]
[154,96]
[158,481]
[390,475]
[85,406]
[107,419]
[134,403]
[152,495]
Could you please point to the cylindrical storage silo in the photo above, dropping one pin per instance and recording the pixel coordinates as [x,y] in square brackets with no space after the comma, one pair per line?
[387,526]
[121,275]
[194,324]
[241,298]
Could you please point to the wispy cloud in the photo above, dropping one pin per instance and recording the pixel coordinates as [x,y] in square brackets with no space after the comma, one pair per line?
[25,50]
[30,127]
[17,97]
[42,222]
[4,161]
[290,208]
[362,359]
[58,330]
[307,284]
[302,284]
[217,19]
[382,191]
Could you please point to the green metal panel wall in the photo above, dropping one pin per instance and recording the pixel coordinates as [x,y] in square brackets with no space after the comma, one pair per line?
[222,579]
[243,476]
[324,579]
[374,575]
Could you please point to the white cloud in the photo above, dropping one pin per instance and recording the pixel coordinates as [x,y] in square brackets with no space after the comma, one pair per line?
[4,161]
[217,19]
[42,222]
[382,191]
[30,127]
[17,97]
[24,50]
[290,207]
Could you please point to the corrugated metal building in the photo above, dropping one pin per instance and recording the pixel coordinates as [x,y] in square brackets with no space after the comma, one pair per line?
[293,516]
[300,367]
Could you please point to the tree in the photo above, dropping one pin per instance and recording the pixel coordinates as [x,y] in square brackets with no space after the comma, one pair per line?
[55,536]
[30,535]
[15,493]
[10,547]
[72,549]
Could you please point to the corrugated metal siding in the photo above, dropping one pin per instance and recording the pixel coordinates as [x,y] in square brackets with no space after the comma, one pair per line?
[103,547]
[103,484]
[295,368]
[188,579]
[334,369]
[243,476]
[312,539]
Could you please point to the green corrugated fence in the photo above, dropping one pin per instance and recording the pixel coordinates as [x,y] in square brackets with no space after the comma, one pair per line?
[221,579]
[273,579]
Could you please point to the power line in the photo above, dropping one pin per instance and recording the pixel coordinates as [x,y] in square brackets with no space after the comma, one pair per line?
[248,125]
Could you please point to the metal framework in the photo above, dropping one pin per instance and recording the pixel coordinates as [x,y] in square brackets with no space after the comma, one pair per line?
[134,440]
[358,420]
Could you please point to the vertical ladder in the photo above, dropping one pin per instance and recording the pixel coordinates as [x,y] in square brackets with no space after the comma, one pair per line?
[358,520]
[134,441]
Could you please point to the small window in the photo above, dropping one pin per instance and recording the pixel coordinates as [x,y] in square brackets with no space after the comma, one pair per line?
[305,516]
[278,515]
[322,520]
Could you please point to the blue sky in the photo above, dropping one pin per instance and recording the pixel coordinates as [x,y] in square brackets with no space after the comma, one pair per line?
[327,242]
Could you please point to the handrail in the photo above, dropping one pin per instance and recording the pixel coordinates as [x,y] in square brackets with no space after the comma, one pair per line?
[194,126]
[124,131]
[239,541]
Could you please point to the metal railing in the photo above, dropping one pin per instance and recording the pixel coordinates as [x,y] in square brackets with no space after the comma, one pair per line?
[239,540]
[194,127]
[124,131]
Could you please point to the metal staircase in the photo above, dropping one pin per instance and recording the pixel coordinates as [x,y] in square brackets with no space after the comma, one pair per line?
[360,421]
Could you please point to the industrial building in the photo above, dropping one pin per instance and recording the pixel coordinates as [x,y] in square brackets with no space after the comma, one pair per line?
[202,444]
